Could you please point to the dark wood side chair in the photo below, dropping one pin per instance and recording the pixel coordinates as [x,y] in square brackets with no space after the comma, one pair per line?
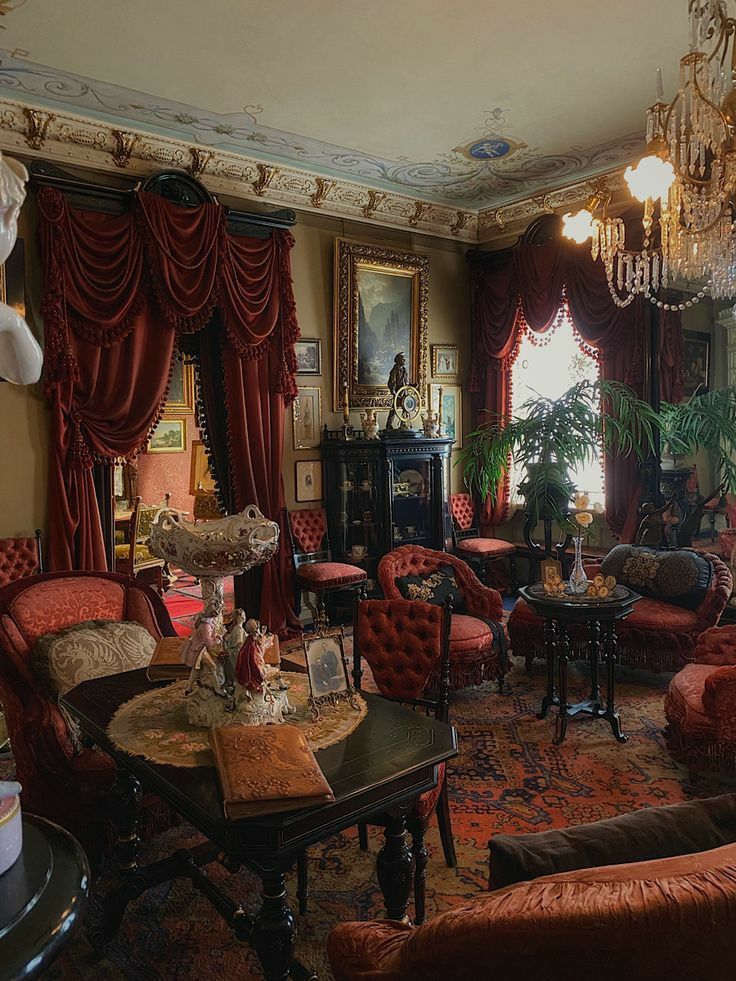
[406,642]
[315,572]
[477,551]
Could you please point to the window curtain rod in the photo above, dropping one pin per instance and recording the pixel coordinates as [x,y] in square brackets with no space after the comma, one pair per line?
[175,185]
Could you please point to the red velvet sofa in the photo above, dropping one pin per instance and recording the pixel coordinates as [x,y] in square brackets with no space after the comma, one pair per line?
[665,920]
[659,636]
[66,786]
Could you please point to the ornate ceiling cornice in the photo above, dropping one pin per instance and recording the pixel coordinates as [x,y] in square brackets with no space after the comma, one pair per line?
[73,140]
[77,141]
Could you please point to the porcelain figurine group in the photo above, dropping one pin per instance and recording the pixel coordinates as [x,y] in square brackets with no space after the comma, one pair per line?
[229,679]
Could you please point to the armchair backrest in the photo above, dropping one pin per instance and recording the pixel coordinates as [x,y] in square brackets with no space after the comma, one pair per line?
[414,560]
[463,512]
[308,529]
[404,642]
[20,557]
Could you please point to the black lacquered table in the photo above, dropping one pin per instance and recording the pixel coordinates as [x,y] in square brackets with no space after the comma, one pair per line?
[600,616]
[376,774]
[42,899]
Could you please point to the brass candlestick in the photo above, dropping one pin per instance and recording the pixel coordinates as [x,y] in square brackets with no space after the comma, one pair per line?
[347,429]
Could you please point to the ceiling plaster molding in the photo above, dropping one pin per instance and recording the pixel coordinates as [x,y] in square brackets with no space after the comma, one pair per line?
[510,220]
[74,140]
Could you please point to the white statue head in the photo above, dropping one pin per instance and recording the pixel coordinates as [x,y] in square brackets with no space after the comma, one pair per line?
[13,177]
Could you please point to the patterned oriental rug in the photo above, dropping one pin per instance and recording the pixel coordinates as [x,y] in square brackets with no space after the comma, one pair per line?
[509,777]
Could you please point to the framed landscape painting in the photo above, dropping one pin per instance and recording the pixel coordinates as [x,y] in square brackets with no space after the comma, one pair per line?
[380,311]
[452,410]
[170,436]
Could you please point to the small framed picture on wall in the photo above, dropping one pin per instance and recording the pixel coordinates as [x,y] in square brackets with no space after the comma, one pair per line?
[695,362]
[307,418]
[452,410]
[308,480]
[170,436]
[446,361]
[308,356]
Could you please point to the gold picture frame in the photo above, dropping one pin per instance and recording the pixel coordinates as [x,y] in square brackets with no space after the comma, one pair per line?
[381,298]
[170,436]
[306,415]
[307,481]
[181,390]
[446,361]
[452,410]
[201,480]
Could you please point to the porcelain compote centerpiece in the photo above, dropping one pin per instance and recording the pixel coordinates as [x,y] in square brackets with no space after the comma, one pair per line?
[218,691]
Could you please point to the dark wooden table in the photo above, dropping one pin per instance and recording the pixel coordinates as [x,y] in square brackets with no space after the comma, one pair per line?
[42,899]
[600,616]
[376,774]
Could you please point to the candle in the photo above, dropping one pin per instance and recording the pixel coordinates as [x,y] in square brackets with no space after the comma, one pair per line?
[345,405]
[660,86]
[439,410]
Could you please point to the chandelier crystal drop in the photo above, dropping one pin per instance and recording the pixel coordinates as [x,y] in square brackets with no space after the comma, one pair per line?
[686,181]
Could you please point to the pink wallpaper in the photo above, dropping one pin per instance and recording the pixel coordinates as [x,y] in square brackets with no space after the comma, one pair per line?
[162,472]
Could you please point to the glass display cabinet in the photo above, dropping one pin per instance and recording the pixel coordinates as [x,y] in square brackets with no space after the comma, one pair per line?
[382,493]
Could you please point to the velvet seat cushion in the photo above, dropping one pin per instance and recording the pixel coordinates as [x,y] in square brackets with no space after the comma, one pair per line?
[486,547]
[469,635]
[684,703]
[647,615]
[640,836]
[324,575]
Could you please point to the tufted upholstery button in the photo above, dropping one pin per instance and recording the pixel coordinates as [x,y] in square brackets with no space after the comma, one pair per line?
[18,558]
[308,528]
[463,511]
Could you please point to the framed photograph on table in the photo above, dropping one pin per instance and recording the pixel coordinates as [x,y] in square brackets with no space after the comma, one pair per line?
[308,480]
[446,361]
[327,668]
[308,356]
[695,362]
[170,436]
[380,311]
[452,410]
[181,390]
[307,418]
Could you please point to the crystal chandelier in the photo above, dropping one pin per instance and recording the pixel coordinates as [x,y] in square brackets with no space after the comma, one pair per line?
[686,180]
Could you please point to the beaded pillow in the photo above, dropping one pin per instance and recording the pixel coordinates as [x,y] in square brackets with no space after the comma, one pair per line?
[678,576]
[433,587]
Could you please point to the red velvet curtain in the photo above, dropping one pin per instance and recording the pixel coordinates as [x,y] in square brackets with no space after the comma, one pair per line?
[119,290]
[528,283]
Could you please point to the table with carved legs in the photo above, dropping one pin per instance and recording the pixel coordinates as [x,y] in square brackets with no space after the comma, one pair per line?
[376,774]
[563,644]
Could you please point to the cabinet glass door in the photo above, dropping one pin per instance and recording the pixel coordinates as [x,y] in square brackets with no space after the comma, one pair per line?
[411,506]
[357,518]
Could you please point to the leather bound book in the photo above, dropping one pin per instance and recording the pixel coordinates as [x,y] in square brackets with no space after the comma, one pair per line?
[266,769]
[166,664]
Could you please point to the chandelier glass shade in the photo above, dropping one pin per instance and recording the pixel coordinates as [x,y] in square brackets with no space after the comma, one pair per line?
[686,181]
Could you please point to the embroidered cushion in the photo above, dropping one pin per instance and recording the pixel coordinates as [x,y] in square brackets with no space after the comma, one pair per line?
[678,576]
[433,587]
[92,649]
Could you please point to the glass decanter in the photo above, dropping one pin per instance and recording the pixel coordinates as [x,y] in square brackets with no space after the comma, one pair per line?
[578,580]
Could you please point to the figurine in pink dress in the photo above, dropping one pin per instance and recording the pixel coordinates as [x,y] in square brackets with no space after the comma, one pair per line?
[197,654]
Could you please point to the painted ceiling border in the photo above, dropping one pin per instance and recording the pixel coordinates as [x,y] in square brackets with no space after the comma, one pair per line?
[67,138]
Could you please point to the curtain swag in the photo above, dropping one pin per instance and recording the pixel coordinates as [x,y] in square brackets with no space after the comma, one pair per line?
[525,287]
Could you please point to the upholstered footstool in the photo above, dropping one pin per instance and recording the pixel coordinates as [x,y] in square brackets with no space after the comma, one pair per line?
[701,711]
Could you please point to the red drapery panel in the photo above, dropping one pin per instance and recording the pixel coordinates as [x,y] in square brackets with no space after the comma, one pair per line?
[531,280]
[118,290]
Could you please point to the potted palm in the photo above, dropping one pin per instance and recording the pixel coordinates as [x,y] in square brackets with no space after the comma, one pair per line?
[550,438]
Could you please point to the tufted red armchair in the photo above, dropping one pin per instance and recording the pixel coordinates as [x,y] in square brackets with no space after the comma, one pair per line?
[315,572]
[657,636]
[701,704]
[20,557]
[477,639]
[66,786]
[469,545]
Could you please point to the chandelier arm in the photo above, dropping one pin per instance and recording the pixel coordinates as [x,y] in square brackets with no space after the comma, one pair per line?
[717,109]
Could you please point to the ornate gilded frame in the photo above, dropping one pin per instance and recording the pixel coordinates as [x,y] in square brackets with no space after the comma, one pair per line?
[349,256]
[318,702]
[186,405]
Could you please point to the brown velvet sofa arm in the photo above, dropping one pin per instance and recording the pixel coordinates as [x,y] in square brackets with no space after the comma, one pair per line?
[367,951]
[717,646]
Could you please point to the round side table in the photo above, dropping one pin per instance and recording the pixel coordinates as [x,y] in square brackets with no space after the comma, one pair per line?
[600,616]
[42,899]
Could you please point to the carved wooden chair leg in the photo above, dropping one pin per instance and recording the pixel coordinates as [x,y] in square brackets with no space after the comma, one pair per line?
[363,837]
[417,828]
[445,826]
[302,880]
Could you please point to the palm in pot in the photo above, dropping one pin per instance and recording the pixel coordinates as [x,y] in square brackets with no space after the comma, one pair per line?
[549,439]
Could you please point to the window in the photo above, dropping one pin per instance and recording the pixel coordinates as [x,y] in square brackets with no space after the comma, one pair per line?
[547,365]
